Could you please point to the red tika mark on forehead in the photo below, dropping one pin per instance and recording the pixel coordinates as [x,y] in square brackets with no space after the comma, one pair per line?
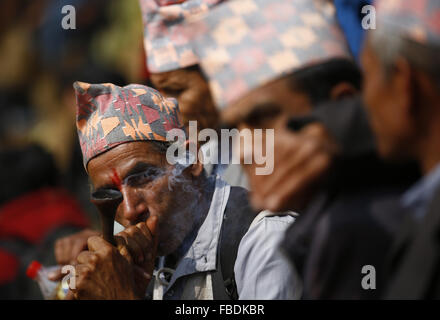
[116,180]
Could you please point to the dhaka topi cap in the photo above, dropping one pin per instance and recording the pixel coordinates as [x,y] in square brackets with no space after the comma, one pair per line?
[166,46]
[245,43]
[418,20]
[108,115]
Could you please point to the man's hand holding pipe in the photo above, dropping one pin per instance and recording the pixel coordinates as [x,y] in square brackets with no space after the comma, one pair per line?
[122,272]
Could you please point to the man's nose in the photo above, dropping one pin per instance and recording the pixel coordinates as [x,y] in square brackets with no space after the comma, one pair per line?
[132,205]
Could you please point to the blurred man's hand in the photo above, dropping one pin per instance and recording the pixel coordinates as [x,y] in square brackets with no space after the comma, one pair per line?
[301,160]
[68,248]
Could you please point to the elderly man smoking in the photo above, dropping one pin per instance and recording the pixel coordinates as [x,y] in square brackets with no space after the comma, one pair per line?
[174,212]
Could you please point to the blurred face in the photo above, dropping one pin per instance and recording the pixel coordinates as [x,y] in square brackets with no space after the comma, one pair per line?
[192,92]
[267,107]
[148,186]
[387,98]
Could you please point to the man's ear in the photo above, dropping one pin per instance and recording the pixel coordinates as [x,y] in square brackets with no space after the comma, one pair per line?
[196,166]
[342,90]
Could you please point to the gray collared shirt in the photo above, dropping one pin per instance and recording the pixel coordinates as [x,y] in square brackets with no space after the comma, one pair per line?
[261,272]
[419,196]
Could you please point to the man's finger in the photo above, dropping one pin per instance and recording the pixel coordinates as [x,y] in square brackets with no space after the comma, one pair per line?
[98,244]
[77,247]
[153,225]
[86,257]
[133,245]
[55,275]
[121,245]
[61,251]
[146,232]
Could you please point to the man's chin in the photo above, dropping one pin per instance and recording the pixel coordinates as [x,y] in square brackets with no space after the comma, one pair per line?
[164,249]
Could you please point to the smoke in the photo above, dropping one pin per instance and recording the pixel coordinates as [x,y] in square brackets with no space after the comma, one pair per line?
[189,209]
[178,178]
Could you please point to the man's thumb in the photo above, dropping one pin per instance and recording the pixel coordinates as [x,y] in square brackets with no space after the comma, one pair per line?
[152,224]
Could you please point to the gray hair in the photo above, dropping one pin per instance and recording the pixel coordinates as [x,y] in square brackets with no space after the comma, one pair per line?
[389,44]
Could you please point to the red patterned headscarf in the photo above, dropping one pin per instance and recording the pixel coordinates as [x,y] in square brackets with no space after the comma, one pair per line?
[108,115]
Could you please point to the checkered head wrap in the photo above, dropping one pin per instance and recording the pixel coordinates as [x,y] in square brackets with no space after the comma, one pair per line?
[242,44]
[166,44]
[109,115]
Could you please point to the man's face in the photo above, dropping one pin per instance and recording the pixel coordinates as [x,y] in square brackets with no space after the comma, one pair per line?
[148,188]
[192,92]
[267,107]
[387,104]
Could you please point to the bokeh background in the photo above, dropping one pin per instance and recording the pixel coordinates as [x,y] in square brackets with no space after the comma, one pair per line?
[44,191]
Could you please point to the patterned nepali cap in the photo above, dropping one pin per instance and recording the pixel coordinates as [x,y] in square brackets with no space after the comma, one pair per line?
[242,44]
[167,47]
[419,20]
[108,115]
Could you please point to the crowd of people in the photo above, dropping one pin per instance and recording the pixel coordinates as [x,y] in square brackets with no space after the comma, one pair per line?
[349,121]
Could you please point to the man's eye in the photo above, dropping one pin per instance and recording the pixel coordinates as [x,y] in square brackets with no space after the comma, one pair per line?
[259,118]
[143,178]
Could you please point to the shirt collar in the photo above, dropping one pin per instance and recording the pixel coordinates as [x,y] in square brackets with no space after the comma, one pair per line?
[418,197]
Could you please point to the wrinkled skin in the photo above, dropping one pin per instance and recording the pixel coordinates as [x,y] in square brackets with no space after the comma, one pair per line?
[132,261]
[103,273]
[67,250]
[152,198]
[69,247]
[192,92]
[156,219]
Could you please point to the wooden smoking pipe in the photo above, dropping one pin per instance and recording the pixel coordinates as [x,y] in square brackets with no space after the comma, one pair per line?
[107,202]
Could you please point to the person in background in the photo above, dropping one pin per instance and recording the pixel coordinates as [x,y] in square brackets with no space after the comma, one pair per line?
[259,87]
[402,93]
[174,72]
[311,49]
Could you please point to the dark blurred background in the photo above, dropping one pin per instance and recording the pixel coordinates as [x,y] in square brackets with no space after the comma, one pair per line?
[44,191]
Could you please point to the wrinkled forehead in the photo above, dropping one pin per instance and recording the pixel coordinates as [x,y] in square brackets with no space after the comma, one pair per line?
[125,159]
